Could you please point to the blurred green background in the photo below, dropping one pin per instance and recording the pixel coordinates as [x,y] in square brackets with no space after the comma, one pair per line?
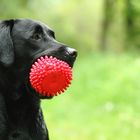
[103,102]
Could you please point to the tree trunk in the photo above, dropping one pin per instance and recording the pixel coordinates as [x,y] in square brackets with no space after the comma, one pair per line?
[129,23]
[106,23]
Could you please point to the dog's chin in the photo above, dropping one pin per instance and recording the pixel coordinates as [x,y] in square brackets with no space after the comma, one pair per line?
[33,92]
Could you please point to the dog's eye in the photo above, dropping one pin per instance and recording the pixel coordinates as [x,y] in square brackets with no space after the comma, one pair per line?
[36,36]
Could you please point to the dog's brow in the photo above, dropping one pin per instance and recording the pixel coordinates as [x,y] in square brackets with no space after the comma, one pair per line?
[51,33]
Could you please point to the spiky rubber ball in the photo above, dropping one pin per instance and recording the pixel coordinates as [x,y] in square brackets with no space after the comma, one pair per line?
[50,76]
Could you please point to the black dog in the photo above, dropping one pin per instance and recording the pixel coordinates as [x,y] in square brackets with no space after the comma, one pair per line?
[22,41]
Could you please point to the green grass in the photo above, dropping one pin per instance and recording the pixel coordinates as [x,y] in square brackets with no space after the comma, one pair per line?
[103,102]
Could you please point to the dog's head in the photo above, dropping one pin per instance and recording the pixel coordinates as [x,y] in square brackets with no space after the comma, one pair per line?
[22,41]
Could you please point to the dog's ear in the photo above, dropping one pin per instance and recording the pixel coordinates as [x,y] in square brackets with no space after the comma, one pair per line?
[6,44]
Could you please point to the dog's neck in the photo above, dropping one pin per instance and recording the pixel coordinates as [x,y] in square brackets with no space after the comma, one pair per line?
[14,79]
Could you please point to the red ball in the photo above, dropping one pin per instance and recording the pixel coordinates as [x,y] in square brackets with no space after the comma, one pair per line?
[50,76]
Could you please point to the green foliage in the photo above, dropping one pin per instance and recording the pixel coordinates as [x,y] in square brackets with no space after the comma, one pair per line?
[73,21]
[79,23]
[102,102]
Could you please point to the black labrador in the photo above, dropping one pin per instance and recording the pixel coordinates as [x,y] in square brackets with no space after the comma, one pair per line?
[22,41]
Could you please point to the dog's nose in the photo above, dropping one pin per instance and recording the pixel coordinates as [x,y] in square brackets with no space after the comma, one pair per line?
[72,52]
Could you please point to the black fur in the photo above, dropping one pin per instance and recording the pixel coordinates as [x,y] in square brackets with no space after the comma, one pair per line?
[22,41]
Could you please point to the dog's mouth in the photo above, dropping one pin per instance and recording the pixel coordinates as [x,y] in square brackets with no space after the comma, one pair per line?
[69,61]
[67,55]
